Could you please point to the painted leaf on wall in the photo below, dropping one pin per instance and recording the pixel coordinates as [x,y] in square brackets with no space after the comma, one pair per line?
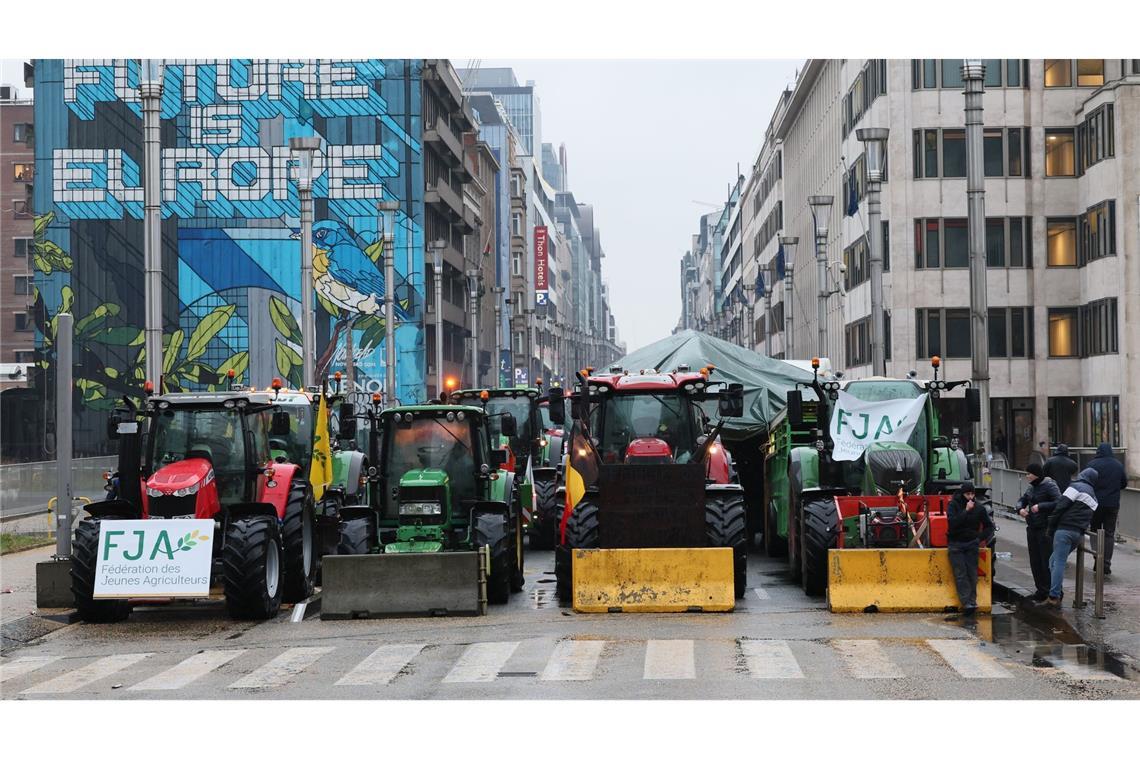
[289,364]
[239,363]
[283,320]
[207,328]
[118,336]
[96,318]
[171,350]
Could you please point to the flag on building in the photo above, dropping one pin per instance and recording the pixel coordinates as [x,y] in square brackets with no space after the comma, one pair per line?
[581,471]
[852,196]
[780,262]
[321,471]
[760,283]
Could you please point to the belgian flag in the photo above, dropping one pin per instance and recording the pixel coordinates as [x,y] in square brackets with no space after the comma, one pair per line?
[581,471]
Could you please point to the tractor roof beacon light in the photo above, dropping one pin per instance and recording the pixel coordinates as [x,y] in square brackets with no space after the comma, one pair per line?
[148,387]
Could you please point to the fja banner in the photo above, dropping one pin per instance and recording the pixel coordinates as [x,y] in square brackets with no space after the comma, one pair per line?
[157,558]
[856,424]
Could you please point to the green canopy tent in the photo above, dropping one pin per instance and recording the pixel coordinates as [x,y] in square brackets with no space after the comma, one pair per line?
[766,381]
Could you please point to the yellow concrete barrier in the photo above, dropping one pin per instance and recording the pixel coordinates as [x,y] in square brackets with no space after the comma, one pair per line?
[653,580]
[899,580]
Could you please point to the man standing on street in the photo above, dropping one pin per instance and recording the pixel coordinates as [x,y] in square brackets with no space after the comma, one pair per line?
[1035,505]
[967,523]
[1061,467]
[1067,526]
[1109,482]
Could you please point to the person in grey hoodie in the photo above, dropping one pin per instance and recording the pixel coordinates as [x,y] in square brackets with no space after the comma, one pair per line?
[1067,525]
[1111,480]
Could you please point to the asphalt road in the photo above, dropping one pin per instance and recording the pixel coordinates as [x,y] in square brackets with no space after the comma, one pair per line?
[778,644]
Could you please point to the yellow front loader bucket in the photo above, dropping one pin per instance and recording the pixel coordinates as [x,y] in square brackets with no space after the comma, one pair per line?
[653,580]
[899,580]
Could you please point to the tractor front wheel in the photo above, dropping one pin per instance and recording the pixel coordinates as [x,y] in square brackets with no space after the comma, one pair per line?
[252,560]
[545,494]
[726,525]
[357,536]
[820,532]
[492,529]
[581,533]
[84,559]
[298,533]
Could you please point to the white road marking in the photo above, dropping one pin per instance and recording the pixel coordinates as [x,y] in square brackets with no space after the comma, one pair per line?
[669,659]
[88,674]
[281,668]
[761,594]
[188,671]
[968,659]
[1082,671]
[573,661]
[770,659]
[381,666]
[481,662]
[865,658]
[21,666]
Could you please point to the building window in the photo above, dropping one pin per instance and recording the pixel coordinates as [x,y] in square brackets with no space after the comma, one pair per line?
[856,260]
[1096,138]
[1062,242]
[1098,327]
[1102,420]
[22,133]
[1058,72]
[999,73]
[1063,333]
[953,153]
[1090,72]
[519,346]
[516,224]
[1060,156]
[1097,232]
[23,247]
[858,342]
[1011,333]
[23,324]
[942,332]
[952,73]
[23,172]
[516,264]
[24,357]
[23,284]
[1003,152]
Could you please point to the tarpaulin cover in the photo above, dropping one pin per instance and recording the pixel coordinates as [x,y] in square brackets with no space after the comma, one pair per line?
[766,381]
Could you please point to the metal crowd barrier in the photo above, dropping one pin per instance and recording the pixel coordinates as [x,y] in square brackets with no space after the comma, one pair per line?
[1098,576]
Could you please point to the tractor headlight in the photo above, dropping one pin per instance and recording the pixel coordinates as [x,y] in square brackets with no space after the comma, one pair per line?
[188,490]
[420,508]
[154,492]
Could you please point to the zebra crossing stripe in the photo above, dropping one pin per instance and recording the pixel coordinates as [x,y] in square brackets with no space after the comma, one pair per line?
[381,666]
[21,666]
[481,663]
[281,668]
[865,658]
[88,674]
[188,671]
[761,594]
[573,661]
[669,659]
[967,658]
[770,659]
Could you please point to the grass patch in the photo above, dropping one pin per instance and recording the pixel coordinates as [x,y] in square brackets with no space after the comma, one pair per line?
[18,542]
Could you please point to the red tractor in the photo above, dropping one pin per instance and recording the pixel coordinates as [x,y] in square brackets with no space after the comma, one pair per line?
[207,456]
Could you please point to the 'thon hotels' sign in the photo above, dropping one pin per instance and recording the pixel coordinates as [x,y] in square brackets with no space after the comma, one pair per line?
[541,260]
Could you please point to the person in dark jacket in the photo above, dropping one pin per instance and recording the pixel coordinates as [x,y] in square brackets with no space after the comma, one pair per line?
[1061,467]
[1035,505]
[1067,525]
[1110,481]
[967,523]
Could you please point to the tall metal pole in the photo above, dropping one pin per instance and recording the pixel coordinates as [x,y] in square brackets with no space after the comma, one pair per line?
[63,396]
[789,244]
[437,276]
[150,93]
[973,74]
[473,308]
[821,208]
[768,321]
[388,211]
[304,148]
[874,140]
[498,379]
[529,314]
[542,347]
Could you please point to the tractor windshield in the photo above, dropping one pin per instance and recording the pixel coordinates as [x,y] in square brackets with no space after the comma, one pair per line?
[298,445]
[629,416]
[211,433]
[433,442]
[886,390]
[519,408]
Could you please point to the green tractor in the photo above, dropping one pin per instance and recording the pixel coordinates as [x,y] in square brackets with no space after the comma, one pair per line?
[443,530]
[803,478]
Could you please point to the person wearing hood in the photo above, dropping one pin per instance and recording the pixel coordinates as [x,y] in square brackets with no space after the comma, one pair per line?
[1035,505]
[1067,526]
[968,523]
[1110,481]
[1061,467]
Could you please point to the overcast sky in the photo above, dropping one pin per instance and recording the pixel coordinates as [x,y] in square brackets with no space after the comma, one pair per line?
[645,139]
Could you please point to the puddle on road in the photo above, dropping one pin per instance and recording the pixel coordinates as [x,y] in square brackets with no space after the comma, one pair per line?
[542,598]
[1056,648]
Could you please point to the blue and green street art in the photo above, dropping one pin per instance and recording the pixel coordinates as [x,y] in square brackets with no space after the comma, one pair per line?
[230,218]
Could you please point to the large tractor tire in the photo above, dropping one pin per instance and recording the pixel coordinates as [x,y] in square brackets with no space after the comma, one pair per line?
[84,559]
[253,561]
[774,545]
[545,503]
[581,533]
[299,540]
[492,529]
[726,525]
[820,533]
[357,536]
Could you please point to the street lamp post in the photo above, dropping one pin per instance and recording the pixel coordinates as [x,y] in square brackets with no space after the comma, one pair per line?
[528,314]
[789,245]
[150,93]
[473,308]
[542,346]
[766,277]
[498,292]
[388,211]
[874,141]
[973,74]
[820,209]
[437,247]
[303,149]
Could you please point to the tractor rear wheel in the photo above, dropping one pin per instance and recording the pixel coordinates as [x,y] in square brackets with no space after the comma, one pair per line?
[357,536]
[726,525]
[493,529]
[820,532]
[298,533]
[774,546]
[253,564]
[84,559]
[545,496]
[581,533]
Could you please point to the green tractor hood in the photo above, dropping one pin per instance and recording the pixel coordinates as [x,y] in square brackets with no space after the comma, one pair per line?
[418,539]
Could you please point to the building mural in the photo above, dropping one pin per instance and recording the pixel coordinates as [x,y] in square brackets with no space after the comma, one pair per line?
[230,212]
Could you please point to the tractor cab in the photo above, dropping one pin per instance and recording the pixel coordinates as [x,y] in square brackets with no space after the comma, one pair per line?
[523,437]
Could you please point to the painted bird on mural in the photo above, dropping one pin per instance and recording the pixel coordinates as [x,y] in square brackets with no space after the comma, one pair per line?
[343,273]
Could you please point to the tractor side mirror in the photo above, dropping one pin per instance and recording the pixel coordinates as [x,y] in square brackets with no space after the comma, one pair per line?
[113,427]
[499,457]
[730,403]
[795,408]
[557,406]
[347,420]
[508,426]
[279,425]
[974,405]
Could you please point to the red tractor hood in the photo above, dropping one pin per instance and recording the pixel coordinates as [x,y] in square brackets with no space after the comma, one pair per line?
[648,448]
[183,474]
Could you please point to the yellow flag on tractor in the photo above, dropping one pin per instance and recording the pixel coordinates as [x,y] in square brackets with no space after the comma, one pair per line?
[321,469]
[581,471]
